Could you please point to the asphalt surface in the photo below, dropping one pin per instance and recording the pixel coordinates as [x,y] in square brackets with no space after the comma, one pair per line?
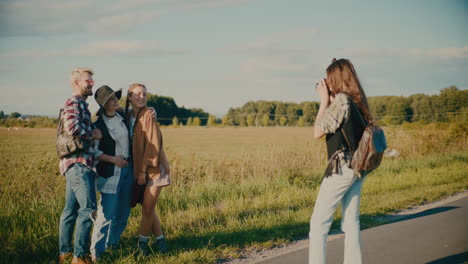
[434,236]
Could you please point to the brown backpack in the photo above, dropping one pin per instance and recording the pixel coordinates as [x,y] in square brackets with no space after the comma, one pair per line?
[66,144]
[369,153]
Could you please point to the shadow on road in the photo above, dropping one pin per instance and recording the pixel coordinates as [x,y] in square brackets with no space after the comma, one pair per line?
[453,259]
[372,220]
[427,212]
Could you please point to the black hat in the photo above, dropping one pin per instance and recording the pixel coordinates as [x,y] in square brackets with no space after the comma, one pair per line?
[103,94]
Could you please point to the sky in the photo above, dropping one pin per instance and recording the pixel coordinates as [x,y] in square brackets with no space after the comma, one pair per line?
[217,54]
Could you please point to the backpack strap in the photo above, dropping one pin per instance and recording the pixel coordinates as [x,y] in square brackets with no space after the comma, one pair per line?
[357,112]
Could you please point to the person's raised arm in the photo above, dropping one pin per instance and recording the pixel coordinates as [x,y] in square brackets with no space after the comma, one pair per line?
[324,94]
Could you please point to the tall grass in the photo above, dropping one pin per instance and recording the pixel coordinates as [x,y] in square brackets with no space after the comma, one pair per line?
[234,189]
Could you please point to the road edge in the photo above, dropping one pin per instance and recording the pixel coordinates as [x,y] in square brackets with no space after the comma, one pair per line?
[264,255]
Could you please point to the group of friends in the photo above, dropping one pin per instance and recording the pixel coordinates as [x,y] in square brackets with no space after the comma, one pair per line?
[125,161]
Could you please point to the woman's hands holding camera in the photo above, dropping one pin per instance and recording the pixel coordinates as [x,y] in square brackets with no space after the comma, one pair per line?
[323,92]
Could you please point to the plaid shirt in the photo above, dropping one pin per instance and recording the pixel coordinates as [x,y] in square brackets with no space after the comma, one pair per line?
[77,122]
[335,115]
[337,112]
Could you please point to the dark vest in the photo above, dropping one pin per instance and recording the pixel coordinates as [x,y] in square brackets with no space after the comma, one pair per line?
[106,145]
[353,128]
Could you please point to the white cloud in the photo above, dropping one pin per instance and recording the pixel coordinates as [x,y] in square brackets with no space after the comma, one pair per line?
[275,66]
[211,3]
[44,17]
[451,52]
[103,48]
[51,17]
[175,5]
[135,4]
[55,17]
[280,57]
[440,53]
[277,42]
[114,24]
[33,53]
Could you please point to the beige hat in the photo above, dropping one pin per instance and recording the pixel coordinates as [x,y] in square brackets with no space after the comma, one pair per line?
[103,94]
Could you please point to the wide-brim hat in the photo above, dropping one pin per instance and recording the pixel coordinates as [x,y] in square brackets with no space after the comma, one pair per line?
[103,94]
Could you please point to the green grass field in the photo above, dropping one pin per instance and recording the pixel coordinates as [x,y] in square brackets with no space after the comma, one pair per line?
[234,189]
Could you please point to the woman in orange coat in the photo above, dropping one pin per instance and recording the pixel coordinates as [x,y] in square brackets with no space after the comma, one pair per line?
[151,167]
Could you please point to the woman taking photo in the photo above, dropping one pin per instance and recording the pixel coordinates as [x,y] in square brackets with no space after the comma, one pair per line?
[343,103]
[151,167]
[115,172]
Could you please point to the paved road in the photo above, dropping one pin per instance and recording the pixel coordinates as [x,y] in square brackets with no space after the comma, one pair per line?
[435,236]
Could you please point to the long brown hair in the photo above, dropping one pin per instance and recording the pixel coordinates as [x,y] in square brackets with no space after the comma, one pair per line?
[127,100]
[342,78]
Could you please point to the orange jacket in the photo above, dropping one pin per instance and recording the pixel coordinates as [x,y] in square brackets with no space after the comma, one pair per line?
[147,146]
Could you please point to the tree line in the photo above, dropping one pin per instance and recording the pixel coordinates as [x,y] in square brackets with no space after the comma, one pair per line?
[449,105]
[168,113]
[171,114]
[15,119]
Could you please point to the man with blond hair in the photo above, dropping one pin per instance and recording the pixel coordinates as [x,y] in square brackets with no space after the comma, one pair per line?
[79,169]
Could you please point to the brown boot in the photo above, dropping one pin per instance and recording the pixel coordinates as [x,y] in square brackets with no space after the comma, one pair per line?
[63,257]
[77,260]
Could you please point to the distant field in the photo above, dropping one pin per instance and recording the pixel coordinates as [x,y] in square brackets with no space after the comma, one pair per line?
[234,189]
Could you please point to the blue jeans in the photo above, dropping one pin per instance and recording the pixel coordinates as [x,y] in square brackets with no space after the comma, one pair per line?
[344,187]
[80,203]
[113,213]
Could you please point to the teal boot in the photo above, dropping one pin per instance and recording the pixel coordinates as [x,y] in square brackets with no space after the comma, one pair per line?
[144,248]
[162,246]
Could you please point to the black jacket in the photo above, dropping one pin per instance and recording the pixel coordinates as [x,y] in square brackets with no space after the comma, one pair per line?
[353,128]
[345,140]
[107,145]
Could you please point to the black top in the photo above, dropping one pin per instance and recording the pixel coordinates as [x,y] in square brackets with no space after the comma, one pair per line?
[353,127]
